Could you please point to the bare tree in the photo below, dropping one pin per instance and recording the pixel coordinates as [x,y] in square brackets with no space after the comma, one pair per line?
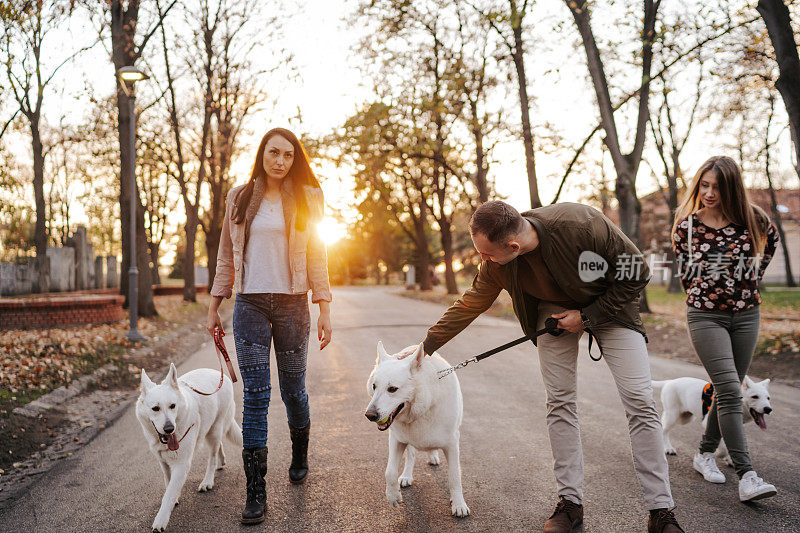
[23,42]
[625,164]
[153,173]
[507,20]
[232,92]
[123,19]
[776,214]
[190,185]
[779,25]
[670,137]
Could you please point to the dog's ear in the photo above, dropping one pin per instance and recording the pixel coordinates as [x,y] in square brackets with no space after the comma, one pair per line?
[417,357]
[765,382]
[747,383]
[382,355]
[146,384]
[172,377]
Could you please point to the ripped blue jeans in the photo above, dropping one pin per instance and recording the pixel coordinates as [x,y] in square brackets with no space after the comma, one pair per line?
[258,321]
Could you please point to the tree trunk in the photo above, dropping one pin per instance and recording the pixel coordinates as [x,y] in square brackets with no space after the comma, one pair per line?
[481,171]
[40,235]
[446,232]
[629,208]
[212,249]
[787,265]
[527,133]
[423,253]
[154,253]
[776,215]
[675,285]
[189,283]
[779,26]
[214,225]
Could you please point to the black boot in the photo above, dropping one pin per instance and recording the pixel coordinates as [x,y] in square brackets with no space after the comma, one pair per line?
[255,468]
[299,468]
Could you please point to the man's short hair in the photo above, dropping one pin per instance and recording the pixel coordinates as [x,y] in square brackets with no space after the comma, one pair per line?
[497,220]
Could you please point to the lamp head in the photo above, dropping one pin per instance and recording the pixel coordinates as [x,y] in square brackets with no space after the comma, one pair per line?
[128,76]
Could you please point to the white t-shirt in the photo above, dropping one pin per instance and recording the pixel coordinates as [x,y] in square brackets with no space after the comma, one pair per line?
[266,258]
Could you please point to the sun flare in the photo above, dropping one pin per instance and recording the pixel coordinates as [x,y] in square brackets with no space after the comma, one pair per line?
[330,230]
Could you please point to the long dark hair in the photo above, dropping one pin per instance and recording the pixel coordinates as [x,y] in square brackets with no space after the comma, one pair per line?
[735,201]
[300,173]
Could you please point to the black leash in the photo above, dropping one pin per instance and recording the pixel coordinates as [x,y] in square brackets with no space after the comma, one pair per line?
[593,337]
[550,326]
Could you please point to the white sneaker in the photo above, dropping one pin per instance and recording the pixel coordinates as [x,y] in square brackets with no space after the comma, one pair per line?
[707,465]
[752,487]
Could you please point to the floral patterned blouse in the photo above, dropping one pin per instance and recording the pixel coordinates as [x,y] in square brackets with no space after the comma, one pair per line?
[722,274]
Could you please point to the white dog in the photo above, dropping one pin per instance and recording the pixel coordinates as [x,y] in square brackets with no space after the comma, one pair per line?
[175,419]
[682,399]
[423,411]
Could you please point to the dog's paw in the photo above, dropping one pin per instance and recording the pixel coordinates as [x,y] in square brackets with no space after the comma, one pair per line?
[728,461]
[670,451]
[394,497]
[459,508]
[433,458]
[406,481]
[160,523]
[205,486]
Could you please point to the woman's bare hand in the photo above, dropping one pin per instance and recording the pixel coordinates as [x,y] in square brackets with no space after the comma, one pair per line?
[324,330]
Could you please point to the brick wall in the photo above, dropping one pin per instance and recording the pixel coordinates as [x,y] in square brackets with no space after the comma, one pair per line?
[38,312]
[161,290]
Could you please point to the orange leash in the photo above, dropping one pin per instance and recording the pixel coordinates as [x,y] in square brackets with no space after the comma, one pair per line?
[222,353]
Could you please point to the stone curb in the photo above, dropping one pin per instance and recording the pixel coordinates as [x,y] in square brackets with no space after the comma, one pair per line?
[54,399]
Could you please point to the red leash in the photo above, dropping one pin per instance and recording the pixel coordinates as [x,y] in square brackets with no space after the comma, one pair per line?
[219,345]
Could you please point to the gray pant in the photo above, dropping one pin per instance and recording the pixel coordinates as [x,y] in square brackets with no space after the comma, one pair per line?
[625,354]
[725,342]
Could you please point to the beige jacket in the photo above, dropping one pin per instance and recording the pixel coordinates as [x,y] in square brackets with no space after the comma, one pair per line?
[308,262]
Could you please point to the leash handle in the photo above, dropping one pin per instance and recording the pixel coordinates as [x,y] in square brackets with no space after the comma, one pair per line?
[222,353]
[219,344]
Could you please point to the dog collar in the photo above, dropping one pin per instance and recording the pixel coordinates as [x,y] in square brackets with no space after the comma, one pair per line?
[172,442]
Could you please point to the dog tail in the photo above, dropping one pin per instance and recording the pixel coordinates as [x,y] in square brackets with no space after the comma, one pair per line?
[234,433]
[658,385]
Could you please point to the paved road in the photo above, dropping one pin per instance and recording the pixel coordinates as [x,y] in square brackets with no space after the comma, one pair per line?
[114,484]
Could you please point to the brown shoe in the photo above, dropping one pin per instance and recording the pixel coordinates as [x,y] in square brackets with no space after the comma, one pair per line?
[663,521]
[567,515]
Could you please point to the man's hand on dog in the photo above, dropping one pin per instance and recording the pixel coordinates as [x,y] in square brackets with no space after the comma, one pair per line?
[569,320]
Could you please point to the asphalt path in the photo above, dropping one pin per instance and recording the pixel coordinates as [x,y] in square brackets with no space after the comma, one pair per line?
[114,483]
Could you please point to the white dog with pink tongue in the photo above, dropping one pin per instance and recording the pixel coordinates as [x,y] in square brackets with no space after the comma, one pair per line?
[176,419]
[423,412]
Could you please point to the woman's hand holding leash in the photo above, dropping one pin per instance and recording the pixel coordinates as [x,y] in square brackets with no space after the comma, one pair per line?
[213,321]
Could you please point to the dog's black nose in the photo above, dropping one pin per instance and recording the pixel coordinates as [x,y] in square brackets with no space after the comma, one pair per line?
[371,414]
[767,410]
[168,428]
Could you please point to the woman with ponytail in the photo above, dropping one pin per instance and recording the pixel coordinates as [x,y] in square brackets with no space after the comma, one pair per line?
[723,244]
[271,255]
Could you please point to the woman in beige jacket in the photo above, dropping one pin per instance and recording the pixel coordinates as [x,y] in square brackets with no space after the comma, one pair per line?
[271,255]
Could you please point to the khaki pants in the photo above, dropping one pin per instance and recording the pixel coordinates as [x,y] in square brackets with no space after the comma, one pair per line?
[625,353]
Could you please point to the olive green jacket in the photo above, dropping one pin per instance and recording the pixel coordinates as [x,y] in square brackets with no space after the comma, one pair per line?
[565,231]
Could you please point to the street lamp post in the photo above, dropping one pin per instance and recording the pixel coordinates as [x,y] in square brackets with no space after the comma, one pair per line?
[130,75]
